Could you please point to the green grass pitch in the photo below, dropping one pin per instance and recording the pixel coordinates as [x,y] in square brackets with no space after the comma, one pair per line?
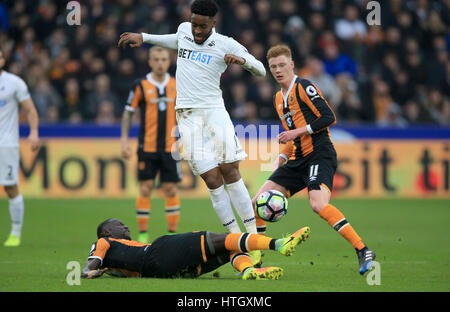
[410,238]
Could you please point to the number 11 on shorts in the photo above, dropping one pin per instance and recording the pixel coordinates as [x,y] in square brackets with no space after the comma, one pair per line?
[313,170]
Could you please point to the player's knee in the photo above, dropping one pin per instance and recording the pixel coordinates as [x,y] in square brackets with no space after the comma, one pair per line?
[230,172]
[213,179]
[170,190]
[12,191]
[145,189]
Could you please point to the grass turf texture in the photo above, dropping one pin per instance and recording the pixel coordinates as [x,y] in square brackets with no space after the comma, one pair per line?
[408,236]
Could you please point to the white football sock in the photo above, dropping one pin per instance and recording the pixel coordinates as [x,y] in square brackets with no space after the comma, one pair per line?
[222,205]
[16,209]
[243,204]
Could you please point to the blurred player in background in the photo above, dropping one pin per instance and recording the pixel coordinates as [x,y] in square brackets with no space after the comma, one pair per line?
[155,97]
[207,133]
[182,255]
[308,158]
[14,91]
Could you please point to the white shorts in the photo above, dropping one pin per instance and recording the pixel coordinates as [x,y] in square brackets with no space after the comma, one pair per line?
[207,138]
[9,166]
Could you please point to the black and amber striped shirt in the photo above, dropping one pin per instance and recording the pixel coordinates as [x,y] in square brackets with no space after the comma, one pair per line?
[122,257]
[168,256]
[157,109]
[305,105]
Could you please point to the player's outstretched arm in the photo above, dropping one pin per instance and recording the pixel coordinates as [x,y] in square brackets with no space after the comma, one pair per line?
[238,54]
[92,269]
[286,136]
[33,121]
[249,63]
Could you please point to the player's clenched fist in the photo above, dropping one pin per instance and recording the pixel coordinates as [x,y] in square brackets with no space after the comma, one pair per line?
[34,141]
[133,39]
[232,59]
[126,150]
[290,135]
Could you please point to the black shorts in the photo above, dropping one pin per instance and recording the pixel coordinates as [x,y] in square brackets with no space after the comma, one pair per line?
[315,169]
[149,164]
[181,255]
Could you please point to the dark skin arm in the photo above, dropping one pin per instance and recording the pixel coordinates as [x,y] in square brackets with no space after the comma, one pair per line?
[134,40]
[92,269]
[233,59]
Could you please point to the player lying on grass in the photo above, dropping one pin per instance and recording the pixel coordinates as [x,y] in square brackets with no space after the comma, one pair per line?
[182,255]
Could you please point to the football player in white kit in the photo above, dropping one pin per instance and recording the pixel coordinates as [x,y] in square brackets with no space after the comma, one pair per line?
[14,91]
[208,138]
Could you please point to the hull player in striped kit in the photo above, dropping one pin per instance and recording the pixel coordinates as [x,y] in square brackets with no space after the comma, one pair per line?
[155,97]
[308,159]
[183,255]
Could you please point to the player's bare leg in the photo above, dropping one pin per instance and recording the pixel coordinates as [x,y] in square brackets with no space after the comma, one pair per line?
[319,201]
[143,208]
[172,205]
[16,210]
[213,178]
[12,191]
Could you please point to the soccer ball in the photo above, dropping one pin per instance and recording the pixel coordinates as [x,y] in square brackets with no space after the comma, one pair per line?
[271,205]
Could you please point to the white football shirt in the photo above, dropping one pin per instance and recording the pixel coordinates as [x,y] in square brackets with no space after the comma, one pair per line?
[13,90]
[200,66]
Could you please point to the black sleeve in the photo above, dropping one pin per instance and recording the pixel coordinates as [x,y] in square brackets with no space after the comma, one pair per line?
[327,117]
[131,100]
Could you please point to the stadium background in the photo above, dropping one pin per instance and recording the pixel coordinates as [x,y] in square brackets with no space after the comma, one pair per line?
[380,80]
[389,88]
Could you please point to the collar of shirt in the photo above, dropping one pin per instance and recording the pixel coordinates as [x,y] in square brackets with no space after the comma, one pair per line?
[285,95]
[160,86]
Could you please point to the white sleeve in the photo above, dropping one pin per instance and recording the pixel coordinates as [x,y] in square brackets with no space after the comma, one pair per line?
[251,64]
[165,41]
[21,90]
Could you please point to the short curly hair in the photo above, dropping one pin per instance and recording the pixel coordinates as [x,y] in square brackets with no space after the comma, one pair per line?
[205,7]
[102,227]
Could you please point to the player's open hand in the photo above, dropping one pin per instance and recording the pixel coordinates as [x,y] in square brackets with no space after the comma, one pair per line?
[290,135]
[126,150]
[34,142]
[233,59]
[96,273]
[134,40]
[287,136]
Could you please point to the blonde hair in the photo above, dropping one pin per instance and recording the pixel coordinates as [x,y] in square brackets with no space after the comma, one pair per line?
[156,49]
[280,49]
